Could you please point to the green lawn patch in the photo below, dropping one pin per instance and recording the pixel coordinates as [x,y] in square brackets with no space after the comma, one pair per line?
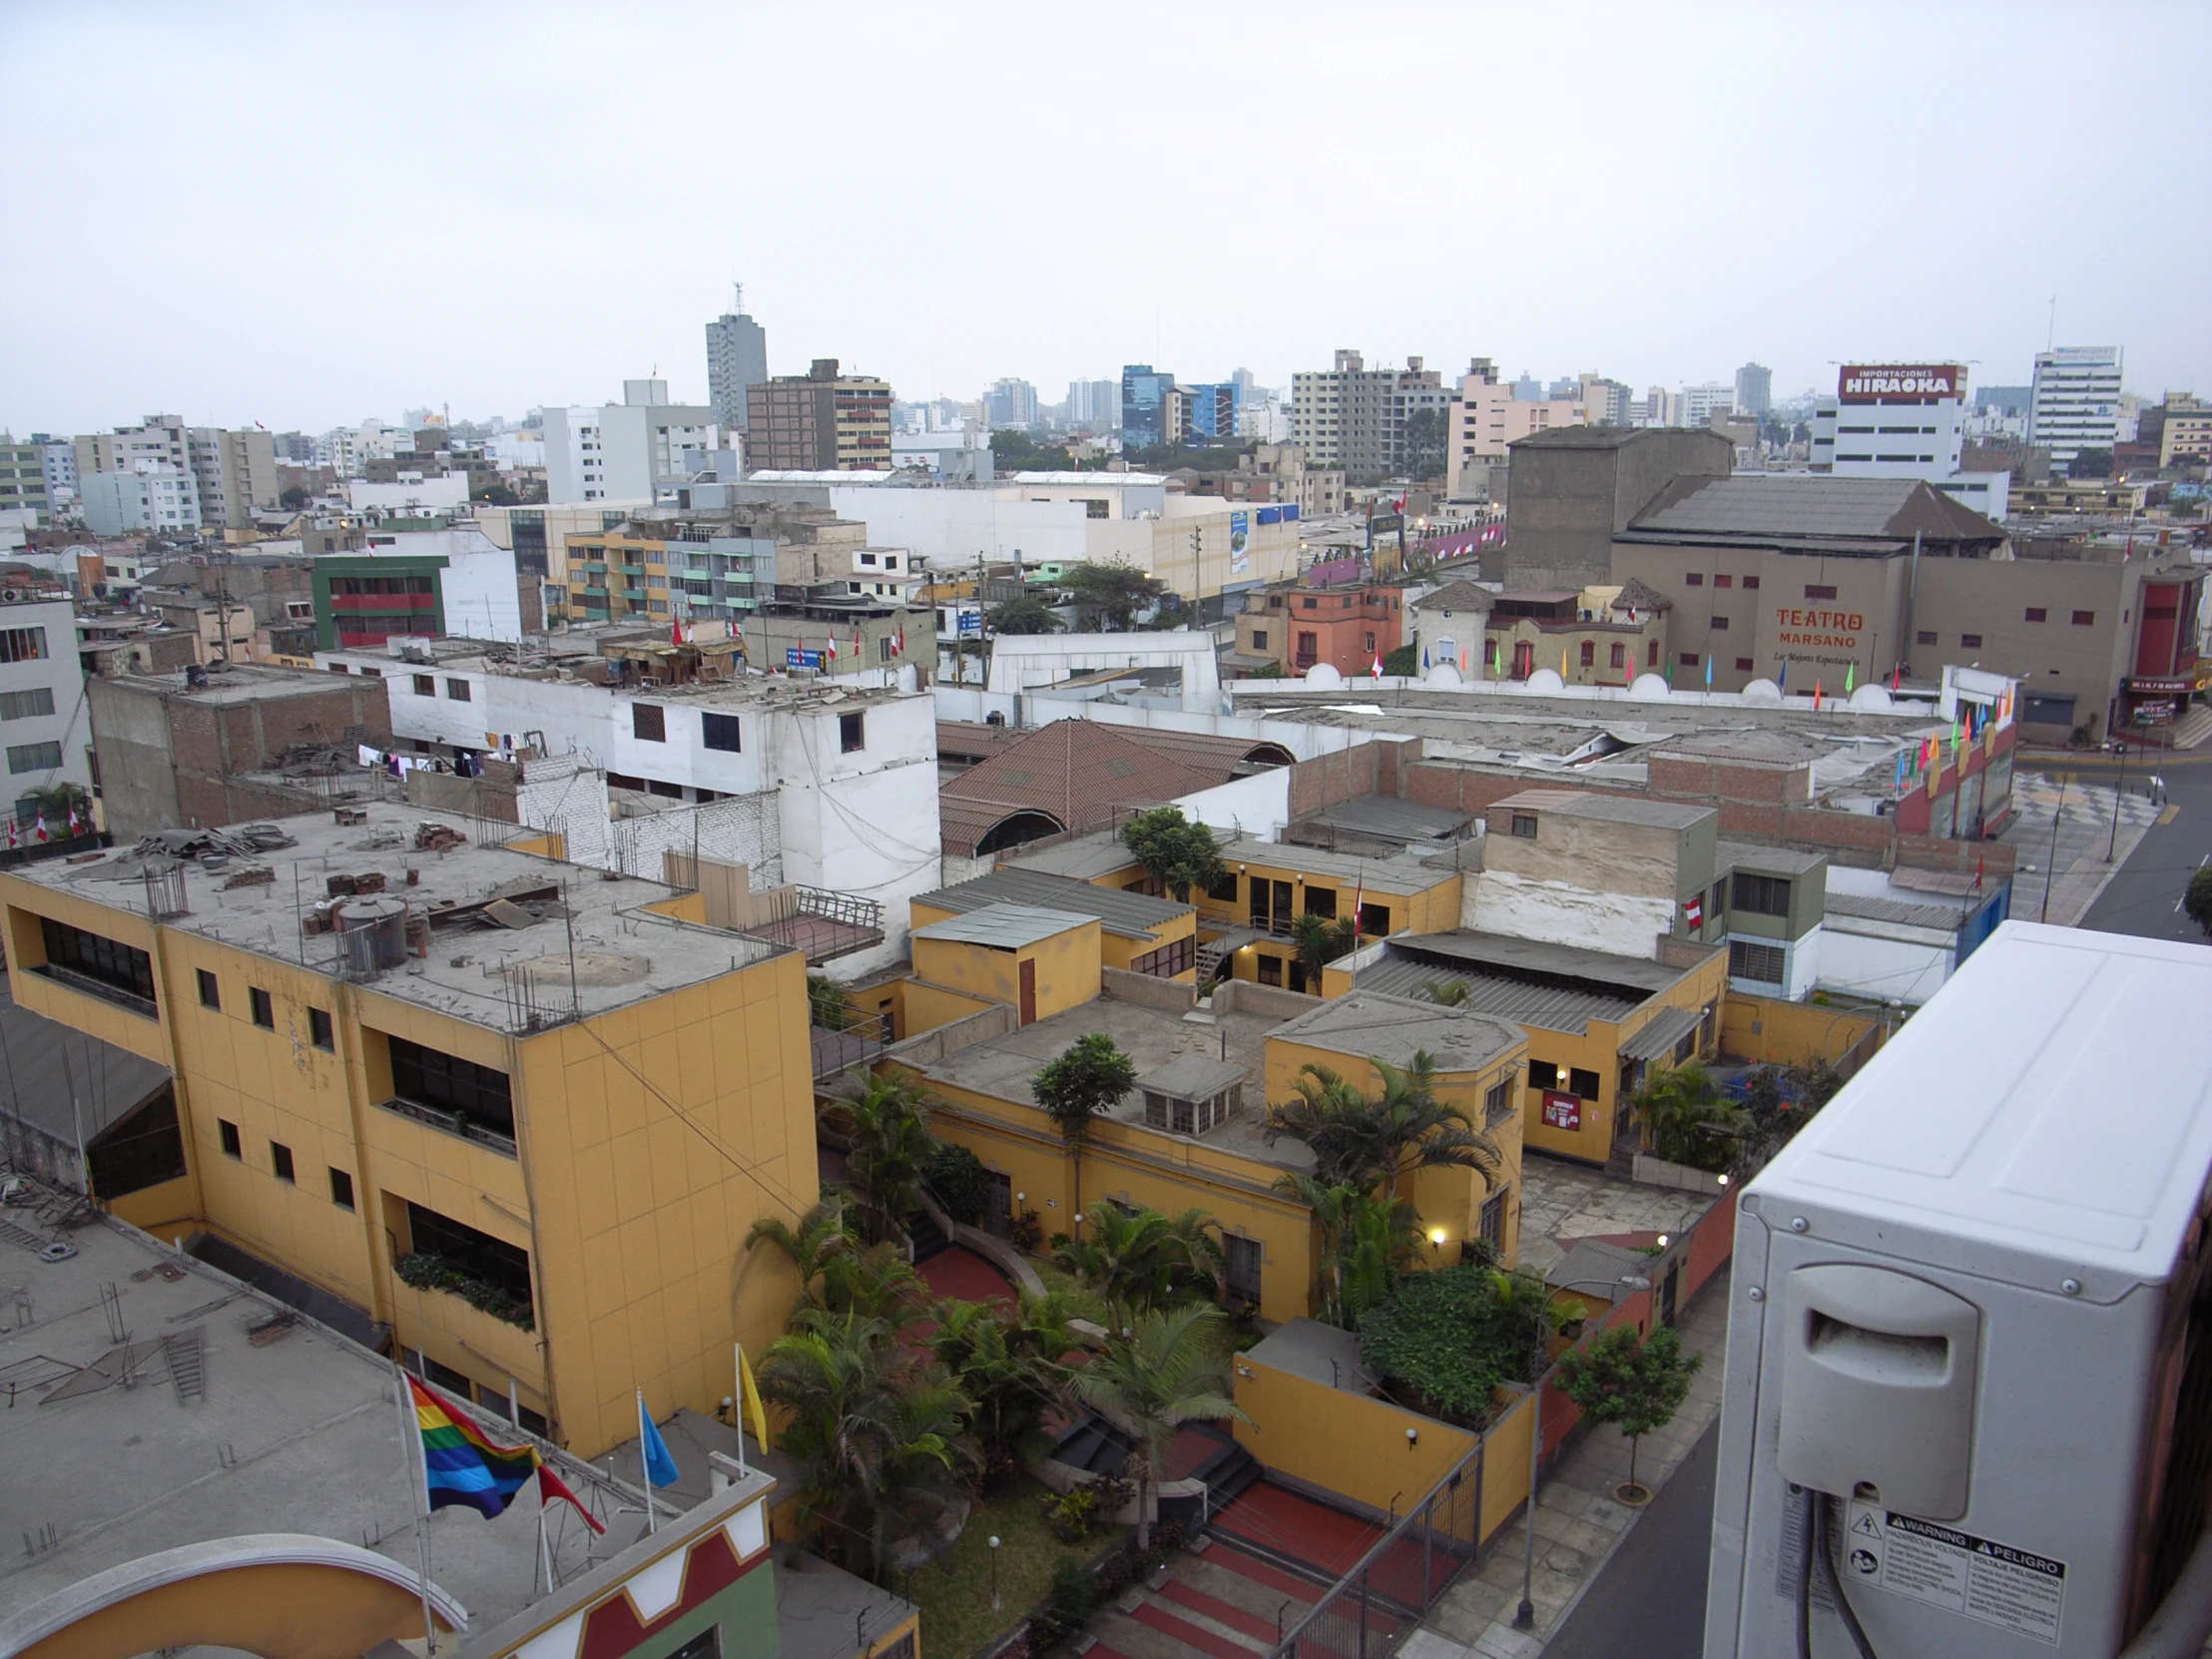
[956,1598]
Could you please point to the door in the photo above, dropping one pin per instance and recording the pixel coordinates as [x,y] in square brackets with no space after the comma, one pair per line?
[1525,660]
[1028,990]
[998,1202]
[1667,1289]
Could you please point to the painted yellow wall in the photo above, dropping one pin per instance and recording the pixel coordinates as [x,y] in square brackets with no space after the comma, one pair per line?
[1599,1051]
[929,1006]
[1067,968]
[1434,909]
[1772,1031]
[1342,1442]
[1119,952]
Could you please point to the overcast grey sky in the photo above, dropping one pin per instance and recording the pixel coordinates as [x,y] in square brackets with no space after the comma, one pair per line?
[306,213]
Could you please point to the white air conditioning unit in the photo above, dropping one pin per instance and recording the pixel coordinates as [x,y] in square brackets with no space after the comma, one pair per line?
[1967,1401]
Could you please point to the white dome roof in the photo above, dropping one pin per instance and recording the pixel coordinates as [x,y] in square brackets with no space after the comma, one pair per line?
[1872,697]
[1443,675]
[1762,691]
[1546,680]
[1324,674]
[1649,687]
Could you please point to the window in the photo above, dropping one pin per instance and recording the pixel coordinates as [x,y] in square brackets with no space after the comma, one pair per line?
[1189,1117]
[341,1189]
[457,689]
[1720,622]
[1815,592]
[1259,639]
[1270,969]
[482,1257]
[425,685]
[23,705]
[649,722]
[1724,581]
[1761,895]
[886,647]
[1742,665]
[1969,642]
[1524,826]
[2037,613]
[1689,658]
[722,732]
[1761,962]
[852,732]
[1542,1074]
[1170,960]
[1582,1083]
[318,1029]
[73,954]
[1589,653]
[1492,1227]
[210,992]
[1224,890]
[1925,636]
[1651,654]
[1369,645]
[705,1645]
[22,645]
[1241,1256]
[34,756]
[1618,657]
[2081,619]
[1497,1102]
[1751,581]
[446,1084]
[279,1160]
[263,1011]
[227,1133]
[1695,579]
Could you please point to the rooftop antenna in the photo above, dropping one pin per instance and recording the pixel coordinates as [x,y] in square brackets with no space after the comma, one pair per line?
[2051,339]
[737,288]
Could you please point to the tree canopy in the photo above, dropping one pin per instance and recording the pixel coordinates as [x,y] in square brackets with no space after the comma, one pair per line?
[1633,1381]
[1108,595]
[1182,854]
[1025,615]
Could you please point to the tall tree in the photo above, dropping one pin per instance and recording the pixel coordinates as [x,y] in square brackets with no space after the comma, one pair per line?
[1168,1371]
[1179,854]
[1141,1260]
[1110,594]
[890,1151]
[1025,615]
[1319,940]
[1369,1143]
[1089,1077]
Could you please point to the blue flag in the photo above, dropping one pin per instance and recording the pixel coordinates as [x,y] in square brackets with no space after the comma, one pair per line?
[1782,680]
[659,1465]
[1709,671]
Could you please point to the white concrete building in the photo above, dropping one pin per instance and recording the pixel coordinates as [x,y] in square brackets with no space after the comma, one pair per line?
[1027,662]
[410,496]
[1904,420]
[625,451]
[347,448]
[838,782]
[233,473]
[1701,403]
[962,457]
[45,721]
[477,582]
[151,495]
[2074,401]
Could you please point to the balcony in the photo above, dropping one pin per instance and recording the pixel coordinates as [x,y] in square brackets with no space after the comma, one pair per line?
[97,987]
[453,1123]
[820,924]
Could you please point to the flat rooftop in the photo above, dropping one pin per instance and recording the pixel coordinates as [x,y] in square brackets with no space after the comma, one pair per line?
[1395,1028]
[239,683]
[565,925]
[1773,860]
[1079,857]
[1603,808]
[1400,874]
[1121,912]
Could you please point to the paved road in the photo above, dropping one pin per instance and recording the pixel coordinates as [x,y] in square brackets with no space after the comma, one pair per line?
[2144,897]
[1649,1602]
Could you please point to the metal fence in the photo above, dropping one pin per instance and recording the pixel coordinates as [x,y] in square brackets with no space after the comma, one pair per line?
[1375,1606]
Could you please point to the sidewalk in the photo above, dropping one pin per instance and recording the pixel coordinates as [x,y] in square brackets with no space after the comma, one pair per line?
[1577,1522]
[2084,835]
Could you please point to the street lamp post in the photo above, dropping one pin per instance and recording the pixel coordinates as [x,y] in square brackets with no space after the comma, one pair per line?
[1524,1619]
[994,1572]
[2118,789]
[2051,871]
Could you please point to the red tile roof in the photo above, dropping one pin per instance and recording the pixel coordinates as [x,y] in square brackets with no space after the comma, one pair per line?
[1077,771]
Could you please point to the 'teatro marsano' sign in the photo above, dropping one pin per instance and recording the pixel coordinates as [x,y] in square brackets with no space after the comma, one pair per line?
[1839,630]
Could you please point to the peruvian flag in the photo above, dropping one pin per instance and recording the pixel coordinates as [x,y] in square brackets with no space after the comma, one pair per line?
[676,630]
[553,1490]
[1378,668]
[856,652]
[1359,899]
[11,830]
[74,829]
[42,836]
[830,646]
[902,639]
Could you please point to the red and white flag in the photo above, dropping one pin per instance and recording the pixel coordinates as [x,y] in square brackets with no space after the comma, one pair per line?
[42,836]
[902,640]
[1378,668]
[856,650]
[11,830]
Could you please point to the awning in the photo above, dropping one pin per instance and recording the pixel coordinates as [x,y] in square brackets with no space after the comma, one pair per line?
[1658,1039]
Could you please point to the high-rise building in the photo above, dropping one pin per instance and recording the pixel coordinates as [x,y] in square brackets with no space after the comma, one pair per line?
[2074,401]
[1353,417]
[1208,413]
[625,451]
[22,477]
[151,495]
[234,474]
[1606,400]
[1487,418]
[1754,390]
[1010,402]
[1904,420]
[737,358]
[1701,403]
[819,421]
[1145,395]
[1094,404]
[59,458]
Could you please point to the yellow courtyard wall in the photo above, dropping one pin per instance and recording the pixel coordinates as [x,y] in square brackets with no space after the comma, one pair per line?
[1343,1441]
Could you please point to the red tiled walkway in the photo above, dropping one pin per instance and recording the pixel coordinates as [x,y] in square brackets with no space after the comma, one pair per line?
[954,1272]
[1190,1635]
[1326,1539]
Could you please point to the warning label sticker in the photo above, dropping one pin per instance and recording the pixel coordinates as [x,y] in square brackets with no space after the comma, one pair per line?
[2013,1589]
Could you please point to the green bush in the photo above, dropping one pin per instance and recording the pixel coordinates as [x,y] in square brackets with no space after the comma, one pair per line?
[1066,1606]
[1447,1338]
[426,1271]
[957,1177]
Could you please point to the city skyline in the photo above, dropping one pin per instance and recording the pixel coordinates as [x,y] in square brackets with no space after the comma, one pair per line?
[1718,256]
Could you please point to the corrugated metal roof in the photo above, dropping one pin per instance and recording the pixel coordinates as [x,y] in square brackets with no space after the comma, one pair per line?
[1386,816]
[1547,1007]
[1129,915]
[1897,910]
[1812,505]
[1636,976]
[1004,926]
[1660,1036]
[1371,1023]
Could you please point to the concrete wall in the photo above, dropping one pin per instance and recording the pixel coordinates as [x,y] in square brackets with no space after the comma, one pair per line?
[1771,1031]
[1560,912]
[1259,805]
[1565,504]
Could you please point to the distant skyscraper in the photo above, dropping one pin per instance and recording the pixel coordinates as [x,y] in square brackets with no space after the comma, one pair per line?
[1528,388]
[2075,404]
[1094,404]
[1144,398]
[1700,404]
[1754,390]
[737,358]
[1010,402]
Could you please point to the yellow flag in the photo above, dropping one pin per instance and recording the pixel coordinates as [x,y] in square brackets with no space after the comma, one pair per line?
[750,1413]
[1563,662]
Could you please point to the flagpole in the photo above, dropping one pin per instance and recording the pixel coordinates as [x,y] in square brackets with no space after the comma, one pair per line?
[411,1441]
[741,1469]
[545,1550]
[645,1468]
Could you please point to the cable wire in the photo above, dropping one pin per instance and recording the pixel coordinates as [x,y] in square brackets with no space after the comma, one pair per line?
[1821,1501]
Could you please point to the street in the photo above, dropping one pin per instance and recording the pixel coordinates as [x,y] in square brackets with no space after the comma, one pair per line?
[1649,1602]
[2145,898]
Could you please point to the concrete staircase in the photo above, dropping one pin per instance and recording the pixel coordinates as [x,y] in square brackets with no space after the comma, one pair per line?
[2193,727]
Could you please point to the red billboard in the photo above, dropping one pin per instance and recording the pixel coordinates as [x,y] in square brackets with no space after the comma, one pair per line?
[1563,1111]
[1873,382]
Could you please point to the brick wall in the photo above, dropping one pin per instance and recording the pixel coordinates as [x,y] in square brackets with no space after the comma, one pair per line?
[1994,860]
[1376,767]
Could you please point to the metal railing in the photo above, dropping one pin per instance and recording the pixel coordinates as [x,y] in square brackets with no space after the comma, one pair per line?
[453,1123]
[1377,1604]
[842,908]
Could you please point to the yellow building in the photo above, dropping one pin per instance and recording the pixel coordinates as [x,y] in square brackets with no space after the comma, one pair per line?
[1137,933]
[520,1113]
[1597,1024]
[1193,1131]
[1245,923]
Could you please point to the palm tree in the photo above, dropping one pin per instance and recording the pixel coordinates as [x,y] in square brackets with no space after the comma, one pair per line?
[1331,1117]
[1690,1121]
[809,1247]
[1141,1260]
[837,1273]
[890,1151]
[1320,942]
[1008,1361]
[1168,1371]
[875,1434]
[1413,1130]
[1448,994]
[1366,1245]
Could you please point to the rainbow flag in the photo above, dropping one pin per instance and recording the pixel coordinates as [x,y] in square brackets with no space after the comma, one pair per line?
[460,1465]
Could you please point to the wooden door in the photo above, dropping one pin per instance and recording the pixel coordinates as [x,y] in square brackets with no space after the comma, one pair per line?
[1028,991]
